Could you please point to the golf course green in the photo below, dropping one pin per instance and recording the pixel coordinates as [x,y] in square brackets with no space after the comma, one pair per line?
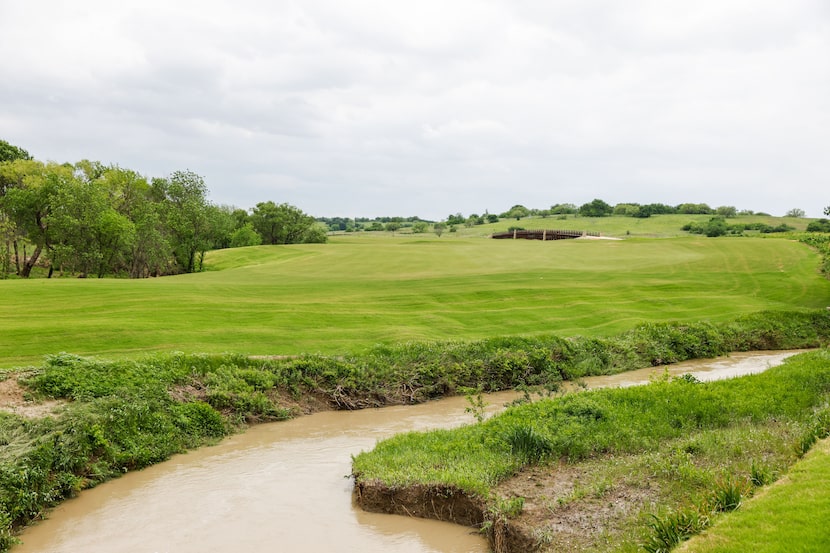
[362,290]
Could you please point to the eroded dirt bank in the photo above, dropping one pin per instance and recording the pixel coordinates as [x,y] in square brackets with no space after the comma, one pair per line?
[439,503]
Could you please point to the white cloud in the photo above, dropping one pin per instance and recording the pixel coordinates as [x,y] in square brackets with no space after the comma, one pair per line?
[369,107]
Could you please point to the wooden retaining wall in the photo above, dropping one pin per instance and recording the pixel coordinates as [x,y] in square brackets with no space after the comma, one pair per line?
[543,234]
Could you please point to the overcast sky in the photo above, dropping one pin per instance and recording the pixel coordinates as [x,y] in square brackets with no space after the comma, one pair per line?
[384,107]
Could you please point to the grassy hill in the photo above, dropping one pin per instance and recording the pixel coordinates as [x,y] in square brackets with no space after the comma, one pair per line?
[368,288]
[656,226]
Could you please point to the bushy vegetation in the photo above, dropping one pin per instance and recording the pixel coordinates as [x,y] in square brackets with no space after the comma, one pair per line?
[822,225]
[717,226]
[821,242]
[46,460]
[435,368]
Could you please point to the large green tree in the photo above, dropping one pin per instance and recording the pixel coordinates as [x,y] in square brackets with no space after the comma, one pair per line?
[245,235]
[132,196]
[10,152]
[8,228]
[517,211]
[29,204]
[695,209]
[187,213]
[284,224]
[89,234]
[595,208]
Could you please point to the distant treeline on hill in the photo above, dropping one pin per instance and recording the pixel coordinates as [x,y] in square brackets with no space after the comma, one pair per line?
[595,208]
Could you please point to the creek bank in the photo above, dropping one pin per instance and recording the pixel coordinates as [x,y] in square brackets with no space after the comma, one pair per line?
[124,415]
[274,483]
[590,494]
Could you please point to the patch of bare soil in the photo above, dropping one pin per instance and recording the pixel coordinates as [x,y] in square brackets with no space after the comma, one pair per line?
[564,510]
[193,391]
[563,513]
[305,404]
[13,400]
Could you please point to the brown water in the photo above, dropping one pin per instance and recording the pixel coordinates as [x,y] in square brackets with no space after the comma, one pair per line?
[284,486]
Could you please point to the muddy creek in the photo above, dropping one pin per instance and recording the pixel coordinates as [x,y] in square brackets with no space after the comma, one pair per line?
[284,486]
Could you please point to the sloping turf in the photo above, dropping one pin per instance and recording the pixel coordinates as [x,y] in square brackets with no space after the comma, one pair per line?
[362,290]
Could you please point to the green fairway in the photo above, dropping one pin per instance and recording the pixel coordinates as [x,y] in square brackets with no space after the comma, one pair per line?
[361,290]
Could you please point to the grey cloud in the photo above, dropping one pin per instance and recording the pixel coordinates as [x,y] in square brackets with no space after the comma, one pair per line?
[370,108]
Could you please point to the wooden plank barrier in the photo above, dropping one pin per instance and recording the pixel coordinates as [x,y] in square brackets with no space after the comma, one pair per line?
[543,234]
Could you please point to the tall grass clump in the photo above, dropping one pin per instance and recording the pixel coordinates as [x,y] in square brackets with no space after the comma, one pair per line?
[728,494]
[669,529]
[527,444]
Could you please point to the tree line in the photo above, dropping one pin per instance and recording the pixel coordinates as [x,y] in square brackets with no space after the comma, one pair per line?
[87,218]
[600,208]
[717,226]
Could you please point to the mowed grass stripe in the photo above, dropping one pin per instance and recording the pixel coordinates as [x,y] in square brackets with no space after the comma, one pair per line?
[356,292]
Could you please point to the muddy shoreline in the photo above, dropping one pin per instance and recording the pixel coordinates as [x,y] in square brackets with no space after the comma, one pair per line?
[447,505]
[536,485]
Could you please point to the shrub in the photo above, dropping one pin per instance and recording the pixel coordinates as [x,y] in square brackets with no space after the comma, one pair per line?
[822,225]
[200,419]
[7,539]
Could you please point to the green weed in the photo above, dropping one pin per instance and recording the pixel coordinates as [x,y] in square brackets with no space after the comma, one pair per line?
[670,529]
[760,475]
[528,445]
[728,494]
[476,404]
